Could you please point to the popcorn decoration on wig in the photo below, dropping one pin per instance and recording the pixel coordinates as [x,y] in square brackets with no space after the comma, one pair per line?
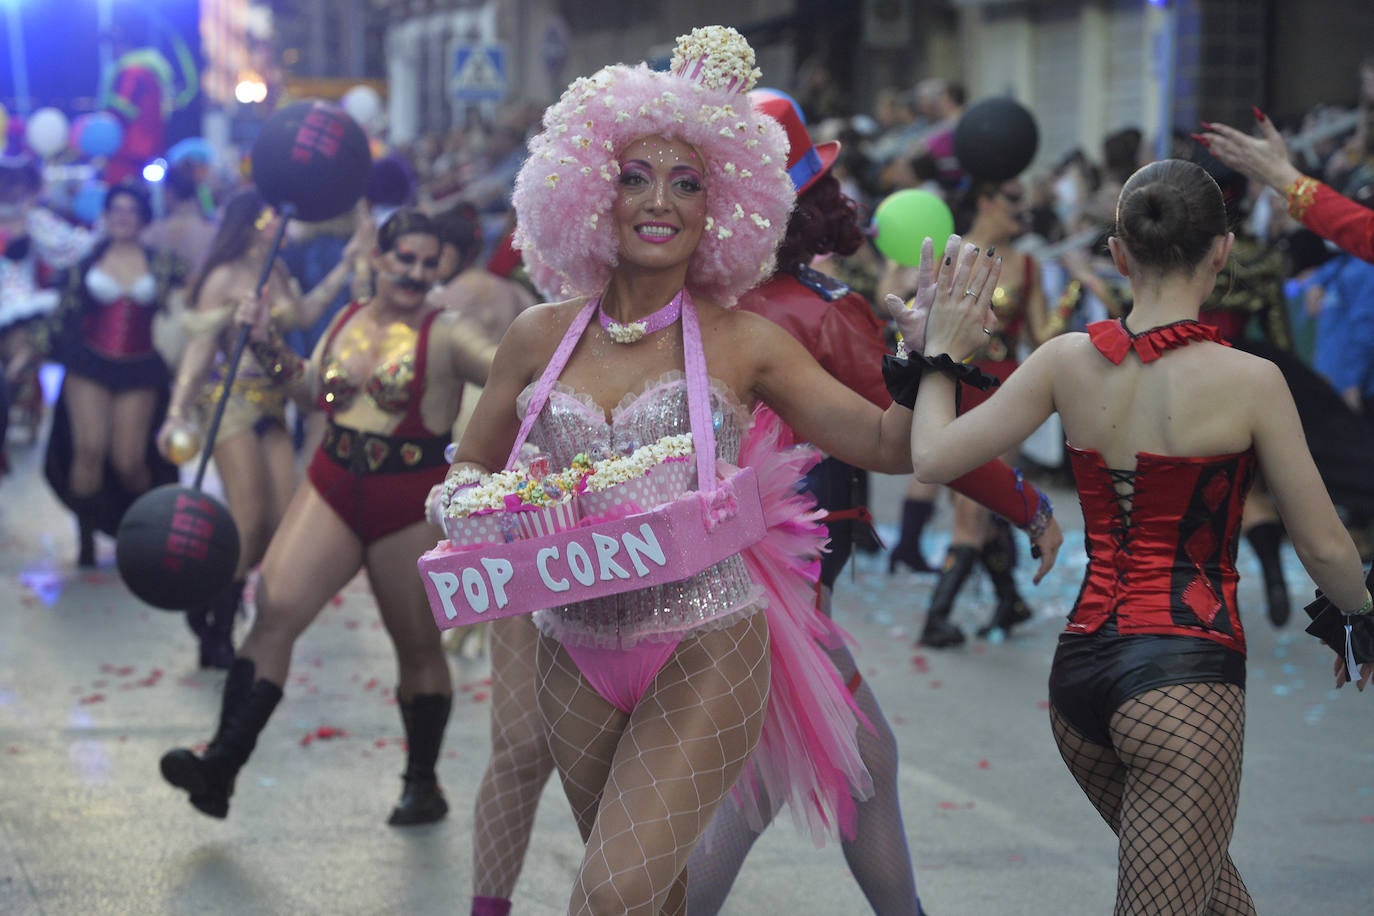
[566,188]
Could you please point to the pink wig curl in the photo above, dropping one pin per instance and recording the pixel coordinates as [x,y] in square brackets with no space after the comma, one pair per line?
[566,188]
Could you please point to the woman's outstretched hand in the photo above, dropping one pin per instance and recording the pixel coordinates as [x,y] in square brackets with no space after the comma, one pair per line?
[1046,548]
[1343,676]
[1263,158]
[961,313]
[911,319]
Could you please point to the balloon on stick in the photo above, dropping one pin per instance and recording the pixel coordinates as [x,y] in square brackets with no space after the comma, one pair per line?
[905,219]
[996,139]
[313,158]
[177,546]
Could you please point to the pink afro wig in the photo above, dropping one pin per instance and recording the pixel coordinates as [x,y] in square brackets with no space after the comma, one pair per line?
[565,191]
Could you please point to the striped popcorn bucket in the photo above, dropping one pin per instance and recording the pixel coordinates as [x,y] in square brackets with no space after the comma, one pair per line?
[546,520]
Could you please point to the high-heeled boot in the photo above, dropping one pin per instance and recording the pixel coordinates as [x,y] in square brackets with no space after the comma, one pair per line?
[85,509]
[1265,539]
[213,624]
[425,717]
[938,632]
[915,514]
[999,559]
[209,779]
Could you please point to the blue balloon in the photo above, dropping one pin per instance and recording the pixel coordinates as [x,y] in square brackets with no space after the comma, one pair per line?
[195,149]
[101,134]
[89,201]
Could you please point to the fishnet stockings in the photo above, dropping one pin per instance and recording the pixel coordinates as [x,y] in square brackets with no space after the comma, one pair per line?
[643,786]
[1168,787]
[878,856]
[520,762]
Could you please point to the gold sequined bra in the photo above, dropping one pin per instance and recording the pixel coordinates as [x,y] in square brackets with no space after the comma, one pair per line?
[394,386]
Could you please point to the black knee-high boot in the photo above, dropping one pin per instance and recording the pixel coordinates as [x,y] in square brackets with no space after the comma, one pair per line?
[213,624]
[425,716]
[209,779]
[86,509]
[1265,539]
[915,514]
[999,558]
[939,633]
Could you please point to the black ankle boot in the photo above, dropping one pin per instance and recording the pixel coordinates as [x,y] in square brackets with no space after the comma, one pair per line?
[915,514]
[425,716]
[1265,539]
[999,558]
[244,711]
[86,509]
[213,625]
[939,633]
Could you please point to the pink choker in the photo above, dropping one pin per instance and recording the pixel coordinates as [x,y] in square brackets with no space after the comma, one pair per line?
[635,330]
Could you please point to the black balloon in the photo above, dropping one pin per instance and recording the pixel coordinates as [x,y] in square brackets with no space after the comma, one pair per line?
[311,159]
[996,139]
[176,547]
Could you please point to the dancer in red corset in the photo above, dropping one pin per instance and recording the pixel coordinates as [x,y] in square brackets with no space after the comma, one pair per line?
[1265,159]
[1166,427]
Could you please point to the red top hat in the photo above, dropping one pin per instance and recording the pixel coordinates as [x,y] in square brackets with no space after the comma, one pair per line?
[806,161]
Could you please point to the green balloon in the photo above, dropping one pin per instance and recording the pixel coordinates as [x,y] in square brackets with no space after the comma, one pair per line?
[904,220]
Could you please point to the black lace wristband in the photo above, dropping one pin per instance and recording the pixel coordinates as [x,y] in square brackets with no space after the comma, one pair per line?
[903,375]
[903,378]
[967,373]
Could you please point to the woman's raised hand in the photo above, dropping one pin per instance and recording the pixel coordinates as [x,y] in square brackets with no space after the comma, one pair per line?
[1263,158]
[1342,675]
[961,313]
[911,319]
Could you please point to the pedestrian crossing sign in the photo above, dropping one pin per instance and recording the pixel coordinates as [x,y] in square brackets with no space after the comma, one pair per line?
[479,73]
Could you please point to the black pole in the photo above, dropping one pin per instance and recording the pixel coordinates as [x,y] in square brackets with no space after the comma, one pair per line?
[286,211]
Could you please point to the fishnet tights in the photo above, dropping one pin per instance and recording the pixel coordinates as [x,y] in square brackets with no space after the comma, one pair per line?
[643,787]
[878,856]
[520,762]
[1168,787]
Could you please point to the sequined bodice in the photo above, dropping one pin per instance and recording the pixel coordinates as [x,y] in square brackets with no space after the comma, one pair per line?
[572,422]
[390,384]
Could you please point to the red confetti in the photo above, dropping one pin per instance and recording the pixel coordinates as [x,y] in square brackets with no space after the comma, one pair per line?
[936,685]
[480,696]
[983,765]
[1367,819]
[337,600]
[1043,704]
[92,698]
[372,684]
[954,806]
[350,624]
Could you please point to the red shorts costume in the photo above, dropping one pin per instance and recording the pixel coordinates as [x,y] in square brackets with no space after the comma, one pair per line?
[378,484]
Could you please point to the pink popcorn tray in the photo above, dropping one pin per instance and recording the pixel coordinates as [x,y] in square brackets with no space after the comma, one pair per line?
[667,544]
[675,541]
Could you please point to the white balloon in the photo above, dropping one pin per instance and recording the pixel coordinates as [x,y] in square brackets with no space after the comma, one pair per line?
[47,131]
[363,104]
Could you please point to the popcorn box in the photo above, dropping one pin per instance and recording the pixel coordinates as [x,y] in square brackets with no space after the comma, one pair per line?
[666,544]
[545,520]
[472,530]
[663,483]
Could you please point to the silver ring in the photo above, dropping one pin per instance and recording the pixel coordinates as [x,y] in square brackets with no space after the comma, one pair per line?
[987,331]
[969,292]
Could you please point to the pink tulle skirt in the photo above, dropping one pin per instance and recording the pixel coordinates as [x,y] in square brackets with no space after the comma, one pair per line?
[808,753]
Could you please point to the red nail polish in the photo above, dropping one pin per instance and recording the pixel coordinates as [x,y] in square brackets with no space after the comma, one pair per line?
[1259,115]
[1201,139]
[1207,125]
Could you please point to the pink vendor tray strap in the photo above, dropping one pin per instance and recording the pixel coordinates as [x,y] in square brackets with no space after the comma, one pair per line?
[667,544]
